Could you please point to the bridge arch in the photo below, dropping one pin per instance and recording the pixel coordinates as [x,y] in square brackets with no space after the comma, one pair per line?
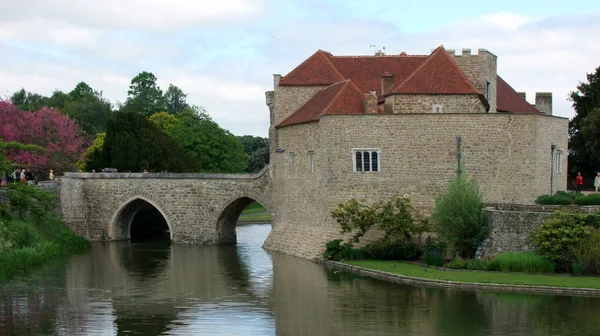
[119,227]
[230,212]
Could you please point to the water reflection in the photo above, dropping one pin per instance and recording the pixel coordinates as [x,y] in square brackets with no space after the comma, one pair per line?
[155,289]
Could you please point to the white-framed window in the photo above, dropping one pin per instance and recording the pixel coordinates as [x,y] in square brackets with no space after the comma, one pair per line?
[311,161]
[437,108]
[366,159]
[558,167]
[292,161]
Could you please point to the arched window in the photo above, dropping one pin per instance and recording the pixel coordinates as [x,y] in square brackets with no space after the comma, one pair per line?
[367,161]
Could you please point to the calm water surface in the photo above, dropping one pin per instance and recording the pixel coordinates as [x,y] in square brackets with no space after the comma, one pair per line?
[157,289]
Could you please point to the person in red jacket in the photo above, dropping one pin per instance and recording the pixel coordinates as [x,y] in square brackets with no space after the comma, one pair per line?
[578,183]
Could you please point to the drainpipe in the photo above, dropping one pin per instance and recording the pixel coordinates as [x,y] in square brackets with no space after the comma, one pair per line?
[552,147]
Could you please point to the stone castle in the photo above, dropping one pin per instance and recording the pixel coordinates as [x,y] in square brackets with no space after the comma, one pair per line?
[379,126]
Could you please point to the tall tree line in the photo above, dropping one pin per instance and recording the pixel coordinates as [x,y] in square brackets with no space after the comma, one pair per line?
[151,130]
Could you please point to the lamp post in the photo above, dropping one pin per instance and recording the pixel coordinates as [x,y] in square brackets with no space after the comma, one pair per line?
[458,155]
[552,148]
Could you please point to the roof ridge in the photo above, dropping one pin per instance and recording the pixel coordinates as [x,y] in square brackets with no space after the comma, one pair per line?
[427,61]
[373,56]
[321,55]
[333,65]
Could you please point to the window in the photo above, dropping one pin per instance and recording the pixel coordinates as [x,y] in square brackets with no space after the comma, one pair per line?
[292,163]
[311,161]
[437,108]
[558,161]
[366,160]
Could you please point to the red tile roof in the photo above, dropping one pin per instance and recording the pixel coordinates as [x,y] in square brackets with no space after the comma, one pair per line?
[316,70]
[439,74]
[349,77]
[508,100]
[340,98]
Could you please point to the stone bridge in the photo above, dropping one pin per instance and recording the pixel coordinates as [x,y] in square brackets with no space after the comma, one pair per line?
[198,208]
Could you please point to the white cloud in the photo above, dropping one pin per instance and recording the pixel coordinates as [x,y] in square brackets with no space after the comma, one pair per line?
[157,15]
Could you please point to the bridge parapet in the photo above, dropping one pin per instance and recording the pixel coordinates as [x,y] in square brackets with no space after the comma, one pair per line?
[199,207]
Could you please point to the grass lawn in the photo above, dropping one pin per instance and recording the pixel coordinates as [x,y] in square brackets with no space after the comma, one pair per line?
[479,276]
[255,212]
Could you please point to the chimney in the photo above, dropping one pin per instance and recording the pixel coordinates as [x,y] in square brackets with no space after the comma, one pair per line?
[370,103]
[523,95]
[379,53]
[543,102]
[387,81]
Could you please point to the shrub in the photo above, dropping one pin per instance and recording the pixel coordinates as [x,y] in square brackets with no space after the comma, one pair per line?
[591,199]
[557,234]
[385,249]
[335,250]
[524,262]
[457,216]
[477,264]
[586,253]
[457,263]
[396,217]
[434,258]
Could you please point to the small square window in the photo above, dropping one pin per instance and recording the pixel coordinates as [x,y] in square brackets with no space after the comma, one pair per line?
[437,108]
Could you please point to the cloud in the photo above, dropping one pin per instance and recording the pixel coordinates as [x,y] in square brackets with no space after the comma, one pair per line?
[226,66]
[155,15]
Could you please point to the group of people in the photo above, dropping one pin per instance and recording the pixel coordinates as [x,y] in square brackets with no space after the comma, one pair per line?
[579,182]
[22,176]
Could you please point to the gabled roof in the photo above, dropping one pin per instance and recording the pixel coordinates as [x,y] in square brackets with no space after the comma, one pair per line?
[508,100]
[439,74]
[316,70]
[340,98]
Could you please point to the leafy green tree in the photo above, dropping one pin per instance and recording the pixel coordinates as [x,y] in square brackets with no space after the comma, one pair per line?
[215,149]
[93,156]
[175,100]
[28,101]
[5,165]
[457,216]
[585,126]
[559,233]
[134,143]
[144,95]
[58,100]
[256,148]
[165,122]
[89,108]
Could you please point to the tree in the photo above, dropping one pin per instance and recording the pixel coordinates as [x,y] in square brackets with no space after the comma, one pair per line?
[5,165]
[134,143]
[256,148]
[457,216]
[93,156]
[175,100]
[58,134]
[584,126]
[165,122]
[89,108]
[144,95]
[215,149]
[28,101]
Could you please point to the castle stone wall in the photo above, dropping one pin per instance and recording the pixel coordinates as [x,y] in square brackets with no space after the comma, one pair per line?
[419,103]
[288,99]
[481,69]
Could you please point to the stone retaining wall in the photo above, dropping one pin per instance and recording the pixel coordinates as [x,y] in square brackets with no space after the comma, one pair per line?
[408,280]
[511,225]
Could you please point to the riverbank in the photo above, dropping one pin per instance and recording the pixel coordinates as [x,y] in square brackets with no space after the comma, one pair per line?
[255,213]
[412,274]
[31,233]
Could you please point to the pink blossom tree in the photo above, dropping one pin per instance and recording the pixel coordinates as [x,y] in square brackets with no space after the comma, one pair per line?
[58,134]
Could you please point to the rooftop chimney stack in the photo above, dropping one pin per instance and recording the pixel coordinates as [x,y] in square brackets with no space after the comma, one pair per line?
[387,81]
[543,102]
[523,95]
[370,103]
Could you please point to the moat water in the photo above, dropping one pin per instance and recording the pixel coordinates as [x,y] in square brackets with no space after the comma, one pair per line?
[161,289]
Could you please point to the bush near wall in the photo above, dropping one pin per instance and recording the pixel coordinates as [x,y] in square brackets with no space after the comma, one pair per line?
[568,198]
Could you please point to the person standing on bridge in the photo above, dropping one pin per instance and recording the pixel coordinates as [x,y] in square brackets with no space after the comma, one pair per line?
[51,175]
[578,183]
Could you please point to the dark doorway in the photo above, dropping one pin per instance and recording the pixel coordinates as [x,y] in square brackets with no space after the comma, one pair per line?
[148,224]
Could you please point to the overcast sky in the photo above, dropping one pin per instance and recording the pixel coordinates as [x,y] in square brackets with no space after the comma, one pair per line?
[223,53]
